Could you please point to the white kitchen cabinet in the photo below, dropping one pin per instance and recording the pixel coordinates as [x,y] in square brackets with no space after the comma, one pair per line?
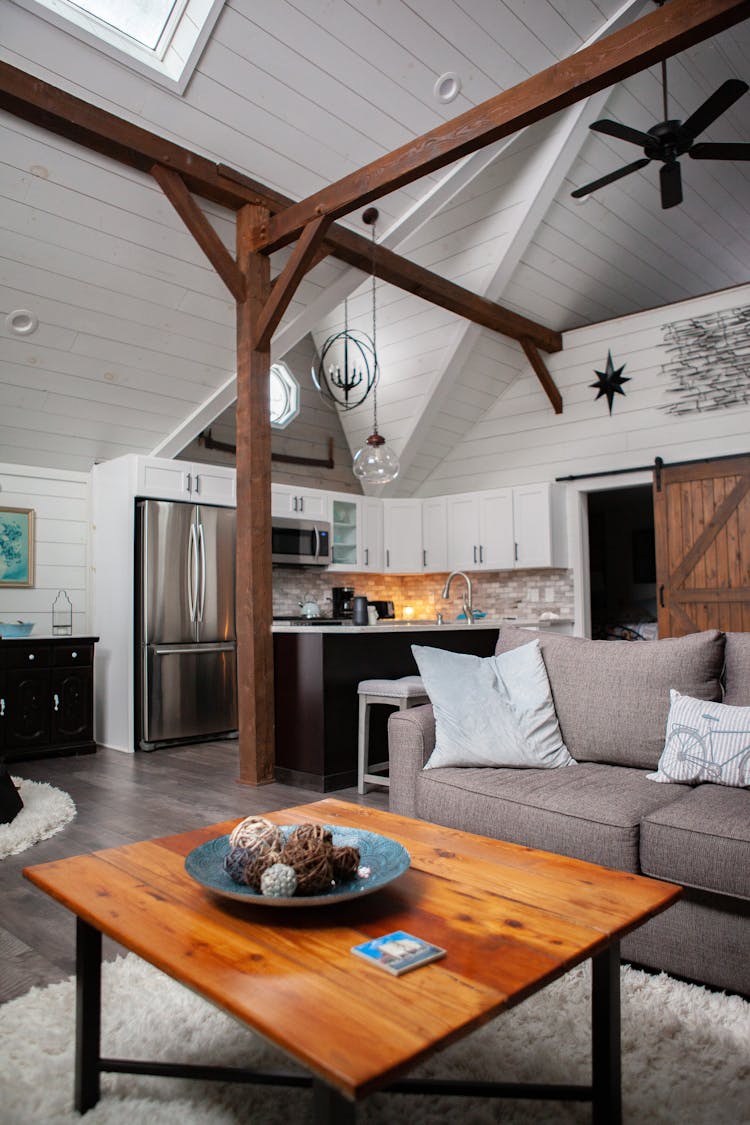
[538,526]
[504,529]
[402,536]
[434,535]
[163,479]
[373,558]
[480,530]
[309,503]
[346,533]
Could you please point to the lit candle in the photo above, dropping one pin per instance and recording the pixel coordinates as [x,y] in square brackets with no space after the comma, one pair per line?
[408,611]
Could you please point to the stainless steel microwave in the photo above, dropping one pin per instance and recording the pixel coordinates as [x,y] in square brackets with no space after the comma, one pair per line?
[300,542]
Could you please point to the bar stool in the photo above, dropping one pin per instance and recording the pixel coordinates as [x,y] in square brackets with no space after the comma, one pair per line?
[407,692]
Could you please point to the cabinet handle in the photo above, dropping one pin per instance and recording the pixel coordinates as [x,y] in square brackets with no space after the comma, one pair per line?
[56,698]
[475,552]
[515,552]
[31,656]
[197,484]
[2,707]
[73,655]
[387,558]
[424,558]
[367,556]
[190,482]
[481,553]
[302,503]
[295,503]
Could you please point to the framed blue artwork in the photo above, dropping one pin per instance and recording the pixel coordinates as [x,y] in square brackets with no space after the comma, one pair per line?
[16,547]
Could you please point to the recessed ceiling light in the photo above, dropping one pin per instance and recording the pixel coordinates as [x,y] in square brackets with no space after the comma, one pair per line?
[447,87]
[22,322]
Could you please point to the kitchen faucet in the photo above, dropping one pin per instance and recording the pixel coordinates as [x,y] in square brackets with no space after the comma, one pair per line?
[467,596]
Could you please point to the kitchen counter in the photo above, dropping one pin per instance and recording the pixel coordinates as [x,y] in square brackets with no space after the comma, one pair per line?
[421,625]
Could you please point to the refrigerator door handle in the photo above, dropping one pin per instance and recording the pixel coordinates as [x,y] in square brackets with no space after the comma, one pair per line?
[192,562]
[176,650]
[202,568]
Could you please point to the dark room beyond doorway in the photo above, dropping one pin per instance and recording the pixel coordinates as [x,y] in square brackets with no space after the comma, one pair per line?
[622,564]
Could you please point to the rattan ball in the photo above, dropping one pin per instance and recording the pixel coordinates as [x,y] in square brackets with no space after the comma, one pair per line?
[258,865]
[236,862]
[256,833]
[312,832]
[311,860]
[278,881]
[345,862]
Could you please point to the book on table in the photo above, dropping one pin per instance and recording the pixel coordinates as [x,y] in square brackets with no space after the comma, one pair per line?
[398,952]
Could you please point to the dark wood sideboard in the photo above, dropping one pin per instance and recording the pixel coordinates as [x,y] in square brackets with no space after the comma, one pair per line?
[46,697]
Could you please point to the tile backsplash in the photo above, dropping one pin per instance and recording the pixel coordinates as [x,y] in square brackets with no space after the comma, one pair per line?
[500,593]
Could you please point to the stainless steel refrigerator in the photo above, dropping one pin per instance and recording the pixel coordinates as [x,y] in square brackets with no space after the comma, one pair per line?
[185,629]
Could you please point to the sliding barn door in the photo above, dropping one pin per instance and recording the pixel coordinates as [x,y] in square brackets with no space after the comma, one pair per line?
[702,526]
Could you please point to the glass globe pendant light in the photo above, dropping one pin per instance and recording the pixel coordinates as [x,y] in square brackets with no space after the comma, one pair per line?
[374,462]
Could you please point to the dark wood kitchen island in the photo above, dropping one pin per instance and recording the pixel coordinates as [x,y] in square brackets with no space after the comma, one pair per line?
[316,673]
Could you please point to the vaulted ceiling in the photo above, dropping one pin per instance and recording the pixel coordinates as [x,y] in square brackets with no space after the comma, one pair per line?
[135,346]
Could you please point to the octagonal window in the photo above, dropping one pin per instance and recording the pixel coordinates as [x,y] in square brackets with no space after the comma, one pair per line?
[284,395]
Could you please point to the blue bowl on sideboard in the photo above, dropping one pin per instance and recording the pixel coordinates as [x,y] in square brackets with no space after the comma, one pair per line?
[15,628]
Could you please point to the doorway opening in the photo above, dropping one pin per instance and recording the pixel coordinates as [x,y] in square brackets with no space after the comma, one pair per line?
[622,563]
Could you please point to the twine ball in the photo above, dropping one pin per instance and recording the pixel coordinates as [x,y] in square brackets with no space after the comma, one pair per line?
[258,865]
[256,833]
[345,862]
[278,881]
[312,832]
[236,862]
[312,862]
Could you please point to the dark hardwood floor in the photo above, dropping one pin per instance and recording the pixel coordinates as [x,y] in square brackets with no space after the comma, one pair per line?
[121,798]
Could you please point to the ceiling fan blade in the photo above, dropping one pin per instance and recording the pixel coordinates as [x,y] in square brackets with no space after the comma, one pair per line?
[670,179]
[622,132]
[719,102]
[729,151]
[609,179]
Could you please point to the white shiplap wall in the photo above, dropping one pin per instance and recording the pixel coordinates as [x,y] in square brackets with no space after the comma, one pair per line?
[62,505]
[520,440]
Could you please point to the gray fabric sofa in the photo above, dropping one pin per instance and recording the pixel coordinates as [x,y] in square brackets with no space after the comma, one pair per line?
[612,702]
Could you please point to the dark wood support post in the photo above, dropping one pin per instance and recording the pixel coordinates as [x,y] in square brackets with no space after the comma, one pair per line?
[254,572]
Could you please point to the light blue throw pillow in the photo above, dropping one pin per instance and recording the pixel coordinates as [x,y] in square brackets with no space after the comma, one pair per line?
[492,711]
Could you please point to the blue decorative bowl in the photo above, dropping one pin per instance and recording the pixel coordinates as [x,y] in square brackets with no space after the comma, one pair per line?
[383,858]
[15,629]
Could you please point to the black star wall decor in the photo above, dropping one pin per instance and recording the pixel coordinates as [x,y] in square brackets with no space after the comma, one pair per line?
[610,381]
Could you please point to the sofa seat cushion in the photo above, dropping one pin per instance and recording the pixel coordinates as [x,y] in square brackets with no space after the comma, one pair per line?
[592,812]
[612,697]
[701,841]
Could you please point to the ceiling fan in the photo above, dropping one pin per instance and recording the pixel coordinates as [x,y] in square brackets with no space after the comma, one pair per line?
[670,139]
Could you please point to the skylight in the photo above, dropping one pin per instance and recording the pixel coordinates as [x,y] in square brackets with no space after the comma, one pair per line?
[160,38]
[142,20]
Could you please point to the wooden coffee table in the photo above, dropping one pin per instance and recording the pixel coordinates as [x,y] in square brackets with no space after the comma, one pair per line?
[511,918]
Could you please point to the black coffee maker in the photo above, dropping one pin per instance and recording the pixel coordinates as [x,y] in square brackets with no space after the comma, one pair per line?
[342,598]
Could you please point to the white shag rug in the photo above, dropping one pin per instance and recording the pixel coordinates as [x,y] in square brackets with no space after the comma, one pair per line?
[685,1058]
[45,811]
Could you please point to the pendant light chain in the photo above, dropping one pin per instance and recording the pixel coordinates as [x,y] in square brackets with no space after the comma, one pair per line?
[374,342]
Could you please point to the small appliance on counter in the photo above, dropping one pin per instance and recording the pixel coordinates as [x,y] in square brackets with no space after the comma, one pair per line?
[359,610]
[341,601]
[384,609]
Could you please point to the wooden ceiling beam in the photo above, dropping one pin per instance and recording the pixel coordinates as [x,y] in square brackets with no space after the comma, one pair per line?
[173,186]
[540,370]
[67,116]
[665,32]
[287,282]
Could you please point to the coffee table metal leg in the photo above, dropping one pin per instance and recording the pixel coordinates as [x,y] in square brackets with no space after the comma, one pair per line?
[331,1107]
[605,1036]
[88,1015]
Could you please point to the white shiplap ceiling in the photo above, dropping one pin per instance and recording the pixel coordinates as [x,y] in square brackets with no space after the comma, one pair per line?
[136,333]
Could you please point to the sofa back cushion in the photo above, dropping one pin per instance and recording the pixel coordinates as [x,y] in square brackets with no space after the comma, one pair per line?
[612,697]
[737,669]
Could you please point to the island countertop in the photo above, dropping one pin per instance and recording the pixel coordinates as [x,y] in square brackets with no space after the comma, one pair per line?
[421,625]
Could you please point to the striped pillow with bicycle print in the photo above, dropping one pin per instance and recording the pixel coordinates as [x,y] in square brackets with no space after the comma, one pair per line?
[705,742]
